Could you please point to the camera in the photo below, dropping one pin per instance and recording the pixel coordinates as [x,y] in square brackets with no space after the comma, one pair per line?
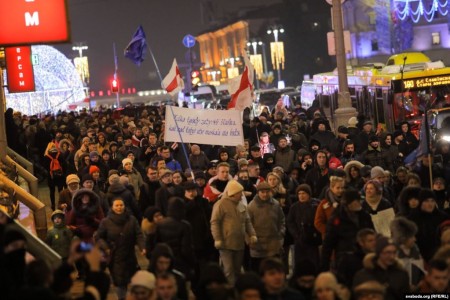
[84,247]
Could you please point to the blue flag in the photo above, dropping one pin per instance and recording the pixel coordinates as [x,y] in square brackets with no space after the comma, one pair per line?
[137,48]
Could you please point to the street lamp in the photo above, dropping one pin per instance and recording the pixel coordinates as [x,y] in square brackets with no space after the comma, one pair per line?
[277,52]
[257,61]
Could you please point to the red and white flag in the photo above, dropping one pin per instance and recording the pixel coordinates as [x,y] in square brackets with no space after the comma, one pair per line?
[241,88]
[173,82]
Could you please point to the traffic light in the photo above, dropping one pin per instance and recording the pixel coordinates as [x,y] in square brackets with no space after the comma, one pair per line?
[195,79]
[115,86]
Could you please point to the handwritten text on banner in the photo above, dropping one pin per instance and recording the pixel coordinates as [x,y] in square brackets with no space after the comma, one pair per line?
[211,127]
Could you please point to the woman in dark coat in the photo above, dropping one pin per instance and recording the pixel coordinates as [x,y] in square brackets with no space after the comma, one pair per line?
[343,227]
[117,234]
[300,223]
[86,214]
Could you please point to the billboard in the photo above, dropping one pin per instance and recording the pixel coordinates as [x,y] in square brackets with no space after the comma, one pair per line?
[33,22]
[19,69]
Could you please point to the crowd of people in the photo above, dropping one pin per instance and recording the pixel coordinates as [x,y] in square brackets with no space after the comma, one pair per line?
[295,212]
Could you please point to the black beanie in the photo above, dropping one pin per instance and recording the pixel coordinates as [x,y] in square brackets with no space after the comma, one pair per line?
[305,267]
[424,194]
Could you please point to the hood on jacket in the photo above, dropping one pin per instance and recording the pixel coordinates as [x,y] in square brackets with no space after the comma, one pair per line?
[369,262]
[93,203]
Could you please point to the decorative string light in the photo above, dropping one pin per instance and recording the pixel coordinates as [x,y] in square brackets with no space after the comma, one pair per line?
[57,83]
[256,60]
[404,9]
[277,54]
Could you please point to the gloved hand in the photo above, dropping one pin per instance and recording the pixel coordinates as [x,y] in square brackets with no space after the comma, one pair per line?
[218,244]
[253,239]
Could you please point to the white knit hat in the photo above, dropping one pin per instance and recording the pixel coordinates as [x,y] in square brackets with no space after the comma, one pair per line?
[233,187]
[143,278]
[126,160]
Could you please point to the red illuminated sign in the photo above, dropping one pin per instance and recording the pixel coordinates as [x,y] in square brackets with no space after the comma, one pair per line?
[25,22]
[19,69]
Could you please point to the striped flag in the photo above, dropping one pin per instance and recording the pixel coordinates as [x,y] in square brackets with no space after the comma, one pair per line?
[241,87]
[173,82]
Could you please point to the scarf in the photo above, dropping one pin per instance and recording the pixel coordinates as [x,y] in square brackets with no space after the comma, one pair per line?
[55,166]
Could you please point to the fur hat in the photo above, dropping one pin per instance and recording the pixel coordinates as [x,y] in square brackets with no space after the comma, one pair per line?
[402,229]
[352,122]
[233,187]
[143,278]
[425,194]
[126,160]
[72,178]
[373,138]
[376,172]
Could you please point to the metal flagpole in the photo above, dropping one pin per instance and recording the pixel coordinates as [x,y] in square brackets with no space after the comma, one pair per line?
[116,67]
[154,61]
[182,143]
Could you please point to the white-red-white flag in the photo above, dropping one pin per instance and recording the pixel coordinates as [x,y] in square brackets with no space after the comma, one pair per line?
[173,82]
[241,87]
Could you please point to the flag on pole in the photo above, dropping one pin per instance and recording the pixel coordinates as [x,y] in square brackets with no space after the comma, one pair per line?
[173,82]
[137,47]
[241,87]
[424,142]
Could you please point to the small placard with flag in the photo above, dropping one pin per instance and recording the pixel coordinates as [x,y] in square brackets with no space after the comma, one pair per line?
[173,82]
[137,48]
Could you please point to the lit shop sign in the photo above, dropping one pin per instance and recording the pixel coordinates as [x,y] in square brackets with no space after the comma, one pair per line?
[25,22]
[19,69]
[420,83]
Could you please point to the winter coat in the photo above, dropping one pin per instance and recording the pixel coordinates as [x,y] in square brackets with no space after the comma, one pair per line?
[268,221]
[284,157]
[59,239]
[177,233]
[136,181]
[230,223]
[427,234]
[199,162]
[378,157]
[198,214]
[65,197]
[325,138]
[324,211]
[118,190]
[341,232]
[317,180]
[119,234]
[394,278]
[84,221]
[382,205]
[300,223]
[147,195]
[164,193]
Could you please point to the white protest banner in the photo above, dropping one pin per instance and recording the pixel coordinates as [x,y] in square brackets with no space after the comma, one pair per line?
[210,127]
[382,221]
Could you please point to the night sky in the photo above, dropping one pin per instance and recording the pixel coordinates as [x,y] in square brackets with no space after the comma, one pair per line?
[100,23]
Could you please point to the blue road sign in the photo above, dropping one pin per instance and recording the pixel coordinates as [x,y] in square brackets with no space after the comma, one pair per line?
[189,41]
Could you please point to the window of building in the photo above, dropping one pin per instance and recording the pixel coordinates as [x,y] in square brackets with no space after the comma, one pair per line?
[436,38]
[374,45]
